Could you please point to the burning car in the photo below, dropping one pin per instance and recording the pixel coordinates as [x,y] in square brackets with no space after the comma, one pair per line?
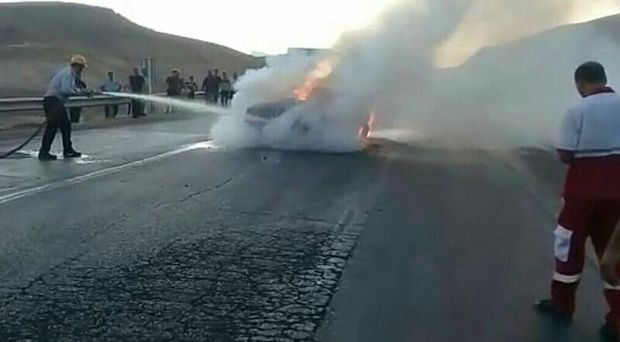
[313,92]
[260,114]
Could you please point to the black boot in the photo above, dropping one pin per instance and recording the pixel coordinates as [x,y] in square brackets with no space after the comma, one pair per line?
[72,154]
[547,308]
[608,333]
[45,156]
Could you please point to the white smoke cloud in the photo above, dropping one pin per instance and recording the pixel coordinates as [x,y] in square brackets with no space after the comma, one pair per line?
[309,126]
[390,68]
[494,22]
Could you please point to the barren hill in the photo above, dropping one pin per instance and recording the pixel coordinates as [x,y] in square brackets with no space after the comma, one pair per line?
[38,38]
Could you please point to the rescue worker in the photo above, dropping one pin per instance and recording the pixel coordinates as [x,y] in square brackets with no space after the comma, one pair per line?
[589,143]
[62,85]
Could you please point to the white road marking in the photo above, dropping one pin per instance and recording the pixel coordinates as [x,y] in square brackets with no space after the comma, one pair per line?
[104,172]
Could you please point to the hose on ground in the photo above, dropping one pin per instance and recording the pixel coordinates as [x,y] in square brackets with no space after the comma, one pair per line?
[22,145]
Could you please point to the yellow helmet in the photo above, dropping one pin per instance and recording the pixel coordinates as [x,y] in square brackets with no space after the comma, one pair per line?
[79,59]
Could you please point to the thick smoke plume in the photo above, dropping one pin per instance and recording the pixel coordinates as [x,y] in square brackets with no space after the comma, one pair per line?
[494,22]
[393,69]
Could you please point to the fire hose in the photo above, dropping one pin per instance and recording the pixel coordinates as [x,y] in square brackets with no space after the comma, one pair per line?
[7,154]
[26,142]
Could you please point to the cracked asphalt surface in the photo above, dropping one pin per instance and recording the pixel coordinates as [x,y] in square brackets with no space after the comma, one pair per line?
[398,243]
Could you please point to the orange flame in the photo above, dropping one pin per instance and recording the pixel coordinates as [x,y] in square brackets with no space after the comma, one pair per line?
[371,121]
[321,71]
[366,129]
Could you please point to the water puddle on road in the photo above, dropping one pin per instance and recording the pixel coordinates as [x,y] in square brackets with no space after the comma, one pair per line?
[207,145]
[87,160]
[84,160]
[23,154]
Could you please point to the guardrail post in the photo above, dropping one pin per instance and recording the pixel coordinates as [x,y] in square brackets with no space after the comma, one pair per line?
[148,70]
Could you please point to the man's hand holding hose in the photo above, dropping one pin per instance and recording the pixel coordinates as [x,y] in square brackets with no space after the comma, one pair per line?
[90,93]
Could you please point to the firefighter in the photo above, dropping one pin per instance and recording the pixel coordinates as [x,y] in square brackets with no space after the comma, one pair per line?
[62,85]
[590,144]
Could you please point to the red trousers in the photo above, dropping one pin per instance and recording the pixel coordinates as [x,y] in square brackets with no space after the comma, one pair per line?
[579,220]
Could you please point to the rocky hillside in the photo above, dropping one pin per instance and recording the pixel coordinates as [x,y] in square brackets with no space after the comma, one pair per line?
[38,38]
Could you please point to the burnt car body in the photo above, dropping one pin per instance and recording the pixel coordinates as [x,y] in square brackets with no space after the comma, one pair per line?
[259,115]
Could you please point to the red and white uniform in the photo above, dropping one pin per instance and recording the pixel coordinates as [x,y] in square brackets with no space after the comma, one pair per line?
[590,133]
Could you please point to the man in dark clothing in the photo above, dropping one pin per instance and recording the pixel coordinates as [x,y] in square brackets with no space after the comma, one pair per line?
[217,80]
[225,89]
[175,86]
[233,90]
[207,86]
[191,88]
[136,83]
[61,87]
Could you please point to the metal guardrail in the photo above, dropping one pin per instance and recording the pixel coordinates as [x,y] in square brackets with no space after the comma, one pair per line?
[36,103]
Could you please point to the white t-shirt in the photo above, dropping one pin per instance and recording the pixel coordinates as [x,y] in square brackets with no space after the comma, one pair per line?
[592,127]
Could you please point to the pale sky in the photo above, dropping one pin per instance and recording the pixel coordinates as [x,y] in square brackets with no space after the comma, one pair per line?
[269,26]
[272,26]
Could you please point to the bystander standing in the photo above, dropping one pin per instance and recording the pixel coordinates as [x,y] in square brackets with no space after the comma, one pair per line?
[110,85]
[136,84]
[174,88]
[191,88]
[225,90]
[207,86]
[216,85]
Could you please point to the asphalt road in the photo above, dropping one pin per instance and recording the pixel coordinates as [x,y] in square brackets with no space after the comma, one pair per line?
[158,234]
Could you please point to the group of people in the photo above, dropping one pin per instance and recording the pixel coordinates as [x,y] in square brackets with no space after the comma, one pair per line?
[589,142]
[135,86]
[68,82]
[219,89]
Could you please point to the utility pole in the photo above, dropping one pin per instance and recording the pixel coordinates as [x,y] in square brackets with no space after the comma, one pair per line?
[148,70]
